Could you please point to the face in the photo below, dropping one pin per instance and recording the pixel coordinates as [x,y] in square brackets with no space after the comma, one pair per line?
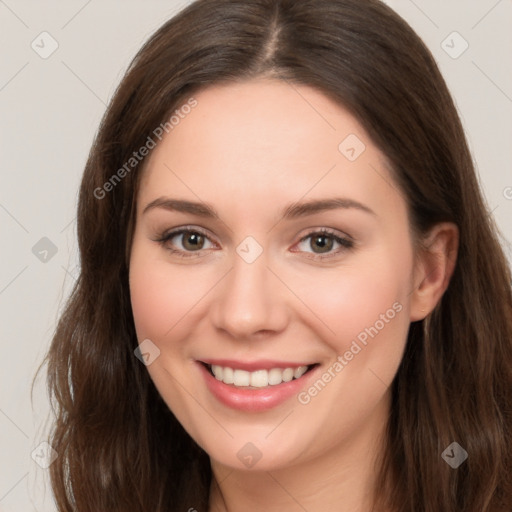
[270,236]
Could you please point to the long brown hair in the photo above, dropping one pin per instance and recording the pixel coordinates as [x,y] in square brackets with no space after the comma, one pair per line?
[119,446]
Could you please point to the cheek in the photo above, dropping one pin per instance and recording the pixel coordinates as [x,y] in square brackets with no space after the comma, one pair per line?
[151,301]
[168,299]
[363,308]
[366,310]
[161,294]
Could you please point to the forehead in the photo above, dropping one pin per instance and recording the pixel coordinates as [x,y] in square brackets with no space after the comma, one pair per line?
[265,116]
[265,139]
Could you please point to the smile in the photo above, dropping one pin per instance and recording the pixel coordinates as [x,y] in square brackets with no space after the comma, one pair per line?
[258,386]
[258,378]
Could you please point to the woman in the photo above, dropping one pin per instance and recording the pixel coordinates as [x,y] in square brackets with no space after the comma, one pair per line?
[292,296]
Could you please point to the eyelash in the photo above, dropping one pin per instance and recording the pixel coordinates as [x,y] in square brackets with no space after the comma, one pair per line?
[345,243]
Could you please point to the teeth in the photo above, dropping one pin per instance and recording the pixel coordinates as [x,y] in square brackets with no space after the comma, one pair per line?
[241,378]
[227,375]
[259,378]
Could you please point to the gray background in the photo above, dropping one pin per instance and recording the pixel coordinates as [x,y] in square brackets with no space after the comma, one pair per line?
[49,112]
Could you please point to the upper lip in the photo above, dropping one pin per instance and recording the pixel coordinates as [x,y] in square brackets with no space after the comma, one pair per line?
[251,366]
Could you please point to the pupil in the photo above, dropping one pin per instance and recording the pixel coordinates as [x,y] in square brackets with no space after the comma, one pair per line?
[193,241]
[324,246]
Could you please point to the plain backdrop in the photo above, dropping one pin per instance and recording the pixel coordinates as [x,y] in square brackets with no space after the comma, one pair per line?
[50,109]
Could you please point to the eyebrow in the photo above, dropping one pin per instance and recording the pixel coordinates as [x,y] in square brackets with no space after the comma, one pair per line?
[291,211]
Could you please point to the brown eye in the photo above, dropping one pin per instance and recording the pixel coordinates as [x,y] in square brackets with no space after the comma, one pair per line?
[323,242]
[183,242]
[192,241]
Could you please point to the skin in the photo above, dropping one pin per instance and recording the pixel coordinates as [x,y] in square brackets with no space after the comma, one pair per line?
[250,149]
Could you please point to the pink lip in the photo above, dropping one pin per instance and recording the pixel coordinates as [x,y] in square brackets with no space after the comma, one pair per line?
[261,364]
[254,400]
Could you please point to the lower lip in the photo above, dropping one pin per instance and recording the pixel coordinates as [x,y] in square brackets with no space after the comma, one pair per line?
[254,400]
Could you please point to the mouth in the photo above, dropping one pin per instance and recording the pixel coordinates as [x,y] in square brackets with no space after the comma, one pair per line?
[259,378]
[256,386]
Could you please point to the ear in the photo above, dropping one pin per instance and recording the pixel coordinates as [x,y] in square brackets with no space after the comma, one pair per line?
[434,266]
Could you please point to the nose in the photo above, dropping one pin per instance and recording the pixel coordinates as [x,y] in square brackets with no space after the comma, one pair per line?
[250,301]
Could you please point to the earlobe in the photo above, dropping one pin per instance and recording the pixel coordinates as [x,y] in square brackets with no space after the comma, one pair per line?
[435,264]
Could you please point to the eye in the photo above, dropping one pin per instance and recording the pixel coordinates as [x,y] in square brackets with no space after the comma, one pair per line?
[324,241]
[187,240]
